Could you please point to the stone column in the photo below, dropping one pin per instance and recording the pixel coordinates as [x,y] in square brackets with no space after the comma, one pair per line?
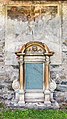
[21,72]
[21,91]
[46,81]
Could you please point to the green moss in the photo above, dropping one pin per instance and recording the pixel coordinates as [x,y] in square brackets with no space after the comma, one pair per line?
[2,105]
[6,113]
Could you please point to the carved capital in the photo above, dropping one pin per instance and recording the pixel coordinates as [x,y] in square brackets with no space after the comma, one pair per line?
[47,59]
[20,60]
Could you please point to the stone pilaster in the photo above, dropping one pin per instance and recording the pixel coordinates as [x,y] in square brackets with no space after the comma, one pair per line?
[46,80]
[21,91]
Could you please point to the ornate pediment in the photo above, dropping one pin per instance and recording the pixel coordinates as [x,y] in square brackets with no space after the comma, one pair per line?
[34,48]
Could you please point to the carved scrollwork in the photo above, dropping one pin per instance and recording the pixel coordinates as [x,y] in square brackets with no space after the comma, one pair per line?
[53,85]
[16,85]
[34,49]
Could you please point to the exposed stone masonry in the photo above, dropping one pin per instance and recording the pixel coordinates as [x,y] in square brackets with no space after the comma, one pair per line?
[9,69]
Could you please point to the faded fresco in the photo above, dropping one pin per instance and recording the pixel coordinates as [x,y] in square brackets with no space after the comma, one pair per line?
[29,13]
[35,22]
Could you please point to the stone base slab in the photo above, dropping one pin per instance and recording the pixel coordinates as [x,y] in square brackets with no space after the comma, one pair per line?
[37,106]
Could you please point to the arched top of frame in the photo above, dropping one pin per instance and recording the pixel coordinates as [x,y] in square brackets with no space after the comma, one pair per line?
[34,48]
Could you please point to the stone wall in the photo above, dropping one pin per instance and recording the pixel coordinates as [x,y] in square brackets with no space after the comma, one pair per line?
[50,29]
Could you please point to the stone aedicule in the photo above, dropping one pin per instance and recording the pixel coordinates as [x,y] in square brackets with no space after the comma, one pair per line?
[35,49]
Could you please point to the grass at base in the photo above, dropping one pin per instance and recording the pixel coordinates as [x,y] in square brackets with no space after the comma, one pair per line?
[32,114]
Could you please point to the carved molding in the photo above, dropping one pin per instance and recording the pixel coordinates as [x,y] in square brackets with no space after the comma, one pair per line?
[32,50]
[36,48]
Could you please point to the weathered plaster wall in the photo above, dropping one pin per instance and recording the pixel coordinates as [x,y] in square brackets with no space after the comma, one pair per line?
[49,30]
[59,72]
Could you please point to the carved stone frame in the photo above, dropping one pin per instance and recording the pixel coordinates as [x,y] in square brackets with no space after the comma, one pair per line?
[32,49]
